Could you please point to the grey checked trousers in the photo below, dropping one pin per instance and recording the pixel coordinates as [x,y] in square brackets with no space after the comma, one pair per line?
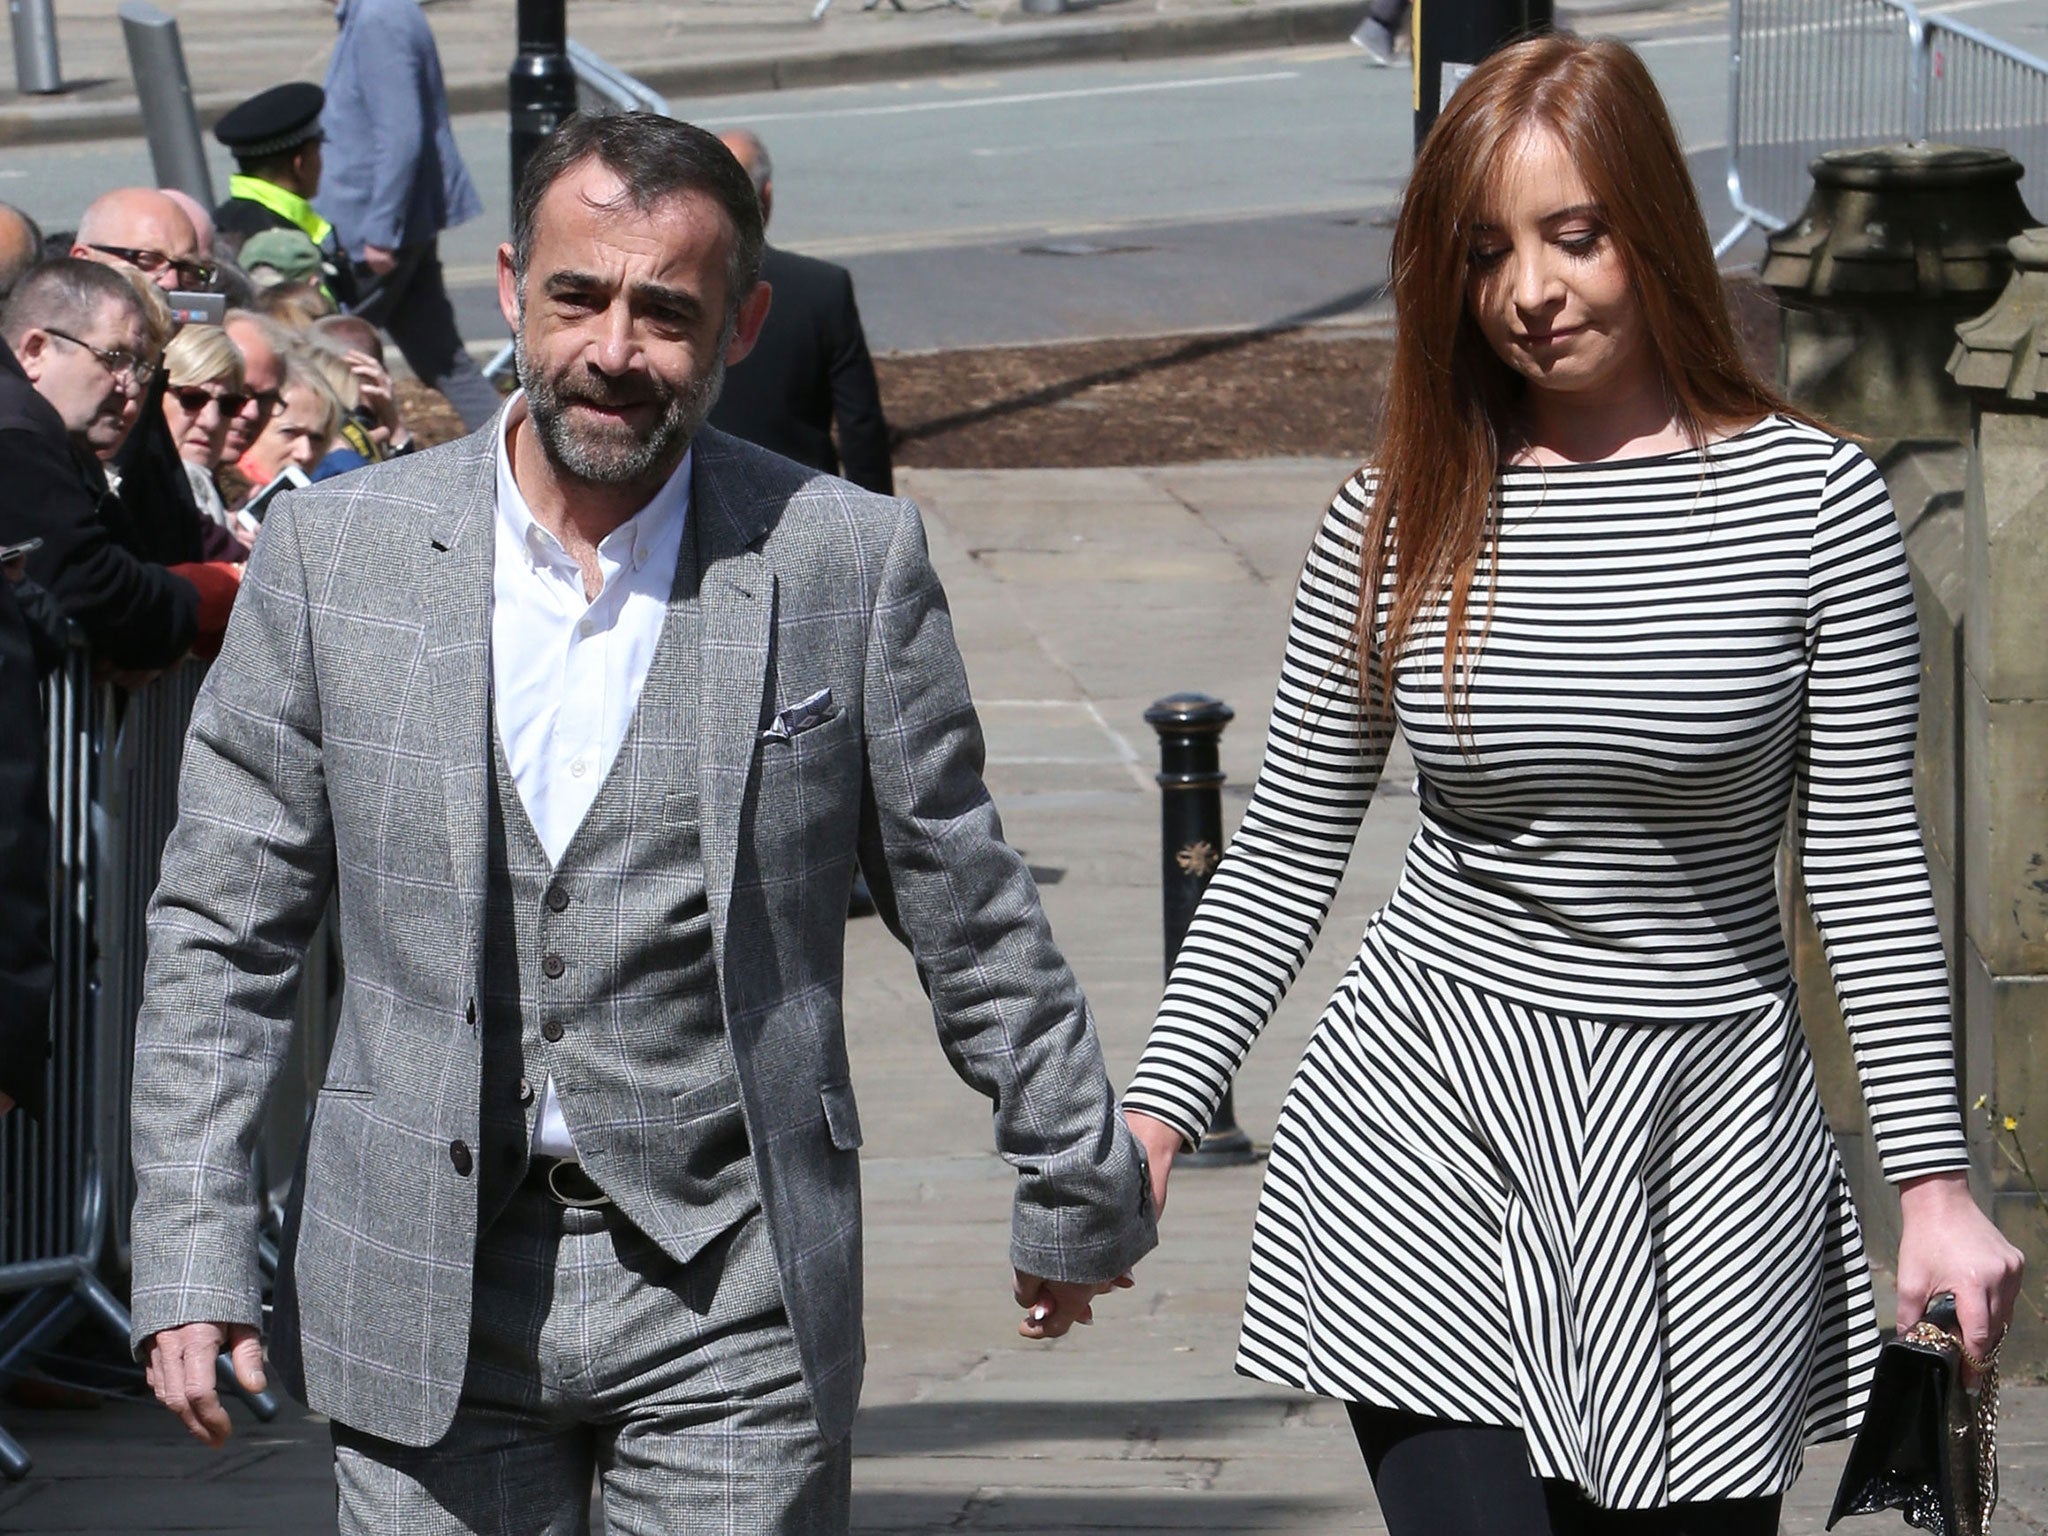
[592,1352]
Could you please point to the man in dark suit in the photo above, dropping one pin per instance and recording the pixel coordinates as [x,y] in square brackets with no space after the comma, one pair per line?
[810,370]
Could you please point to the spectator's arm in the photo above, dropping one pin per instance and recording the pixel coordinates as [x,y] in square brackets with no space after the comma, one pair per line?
[862,432]
[135,615]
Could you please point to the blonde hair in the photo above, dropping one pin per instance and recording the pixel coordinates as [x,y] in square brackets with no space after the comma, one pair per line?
[294,305]
[301,373]
[324,361]
[203,354]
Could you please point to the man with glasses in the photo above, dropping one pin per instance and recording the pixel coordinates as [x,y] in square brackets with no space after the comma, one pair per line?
[263,344]
[71,384]
[140,230]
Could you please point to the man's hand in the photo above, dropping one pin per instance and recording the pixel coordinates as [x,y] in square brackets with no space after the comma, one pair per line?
[380,259]
[1051,1307]
[1162,1145]
[181,1373]
[5,1103]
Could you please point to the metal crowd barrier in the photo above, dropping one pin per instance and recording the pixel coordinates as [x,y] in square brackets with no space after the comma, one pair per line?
[1980,90]
[67,1183]
[1811,75]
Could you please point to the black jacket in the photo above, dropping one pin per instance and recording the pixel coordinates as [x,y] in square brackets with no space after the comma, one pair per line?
[26,653]
[168,526]
[809,369]
[135,614]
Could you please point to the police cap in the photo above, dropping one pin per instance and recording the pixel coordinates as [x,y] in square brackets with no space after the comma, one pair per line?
[273,121]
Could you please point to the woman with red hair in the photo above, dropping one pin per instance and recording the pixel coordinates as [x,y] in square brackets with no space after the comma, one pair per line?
[1553,1205]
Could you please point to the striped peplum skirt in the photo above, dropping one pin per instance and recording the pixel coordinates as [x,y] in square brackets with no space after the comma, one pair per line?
[1634,1242]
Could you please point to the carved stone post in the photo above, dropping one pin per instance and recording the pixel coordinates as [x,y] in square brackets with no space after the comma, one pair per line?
[1897,246]
[2001,358]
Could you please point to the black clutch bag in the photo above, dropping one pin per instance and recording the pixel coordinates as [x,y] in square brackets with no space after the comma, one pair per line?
[1929,1443]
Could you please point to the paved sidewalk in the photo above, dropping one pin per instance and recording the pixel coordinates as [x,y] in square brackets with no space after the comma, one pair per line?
[1079,597]
[684,48]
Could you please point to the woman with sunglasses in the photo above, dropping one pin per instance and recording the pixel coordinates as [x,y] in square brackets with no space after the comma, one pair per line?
[202,394]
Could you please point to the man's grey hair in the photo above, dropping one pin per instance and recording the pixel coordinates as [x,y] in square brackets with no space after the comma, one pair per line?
[656,158]
[756,163]
[68,295]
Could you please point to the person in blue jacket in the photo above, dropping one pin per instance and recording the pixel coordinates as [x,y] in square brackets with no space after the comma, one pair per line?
[391,181]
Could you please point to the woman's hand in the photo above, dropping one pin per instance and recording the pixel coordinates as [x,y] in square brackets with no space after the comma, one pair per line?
[1162,1145]
[373,385]
[1947,1244]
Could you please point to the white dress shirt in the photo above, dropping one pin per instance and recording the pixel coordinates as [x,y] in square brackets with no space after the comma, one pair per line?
[566,672]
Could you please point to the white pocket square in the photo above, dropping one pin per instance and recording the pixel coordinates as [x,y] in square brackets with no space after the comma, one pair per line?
[804,715]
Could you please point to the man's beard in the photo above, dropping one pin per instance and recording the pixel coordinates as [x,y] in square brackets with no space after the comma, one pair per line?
[615,453]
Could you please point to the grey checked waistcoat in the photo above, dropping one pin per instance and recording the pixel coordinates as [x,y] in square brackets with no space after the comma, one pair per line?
[599,972]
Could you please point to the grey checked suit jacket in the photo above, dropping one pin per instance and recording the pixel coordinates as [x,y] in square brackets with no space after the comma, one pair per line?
[342,743]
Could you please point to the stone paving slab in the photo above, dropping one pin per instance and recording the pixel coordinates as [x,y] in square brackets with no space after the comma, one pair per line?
[1136,1424]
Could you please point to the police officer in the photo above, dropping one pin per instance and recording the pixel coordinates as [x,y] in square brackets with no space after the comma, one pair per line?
[275,139]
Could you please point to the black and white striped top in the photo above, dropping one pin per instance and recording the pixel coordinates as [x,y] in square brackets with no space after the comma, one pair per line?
[1680,647]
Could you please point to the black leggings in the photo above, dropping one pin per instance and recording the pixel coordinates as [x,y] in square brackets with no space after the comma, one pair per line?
[1435,1477]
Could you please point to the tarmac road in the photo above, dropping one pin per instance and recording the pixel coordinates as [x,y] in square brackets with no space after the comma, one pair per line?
[1065,201]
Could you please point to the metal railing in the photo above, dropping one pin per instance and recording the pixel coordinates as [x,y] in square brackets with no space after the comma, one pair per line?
[66,1182]
[1977,89]
[1811,75]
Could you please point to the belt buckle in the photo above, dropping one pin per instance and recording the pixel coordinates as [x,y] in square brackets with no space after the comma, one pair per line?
[575,1202]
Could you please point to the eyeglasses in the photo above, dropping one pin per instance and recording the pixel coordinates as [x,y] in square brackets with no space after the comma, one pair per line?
[193,274]
[124,366]
[193,398]
[268,402]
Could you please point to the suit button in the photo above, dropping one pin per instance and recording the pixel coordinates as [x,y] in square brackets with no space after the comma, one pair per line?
[525,1091]
[551,1032]
[558,899]
[553,966]
[458,1154]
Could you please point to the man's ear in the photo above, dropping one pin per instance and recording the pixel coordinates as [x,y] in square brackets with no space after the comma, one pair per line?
[747,324]
[33,353]
[508,288]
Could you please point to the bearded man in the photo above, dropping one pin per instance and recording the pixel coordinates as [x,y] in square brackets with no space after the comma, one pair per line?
[587,718]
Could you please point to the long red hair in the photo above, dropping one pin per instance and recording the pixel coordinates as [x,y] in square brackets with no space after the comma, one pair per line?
[1450,397]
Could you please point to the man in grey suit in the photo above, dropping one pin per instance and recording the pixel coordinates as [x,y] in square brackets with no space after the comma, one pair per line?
[586,720]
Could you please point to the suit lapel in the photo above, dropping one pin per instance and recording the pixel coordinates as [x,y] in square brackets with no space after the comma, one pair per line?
[738,624]
[458,566]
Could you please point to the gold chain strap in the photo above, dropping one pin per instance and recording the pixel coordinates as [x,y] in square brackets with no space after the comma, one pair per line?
[1924,1332]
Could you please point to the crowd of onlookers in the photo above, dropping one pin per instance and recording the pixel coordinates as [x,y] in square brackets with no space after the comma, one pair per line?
[167,369]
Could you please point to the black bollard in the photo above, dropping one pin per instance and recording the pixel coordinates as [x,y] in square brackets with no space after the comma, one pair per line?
[541,90]
[1190,727]
[1451,36]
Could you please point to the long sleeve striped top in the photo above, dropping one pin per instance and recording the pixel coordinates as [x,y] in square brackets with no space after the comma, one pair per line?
[1678,650]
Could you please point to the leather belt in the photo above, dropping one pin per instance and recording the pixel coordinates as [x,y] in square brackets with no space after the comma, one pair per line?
[563,1181]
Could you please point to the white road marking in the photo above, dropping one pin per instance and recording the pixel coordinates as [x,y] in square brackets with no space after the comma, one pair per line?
[1018,98]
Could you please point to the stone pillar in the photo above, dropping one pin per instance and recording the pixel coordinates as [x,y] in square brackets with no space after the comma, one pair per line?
[2001,359]
[1897,246]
